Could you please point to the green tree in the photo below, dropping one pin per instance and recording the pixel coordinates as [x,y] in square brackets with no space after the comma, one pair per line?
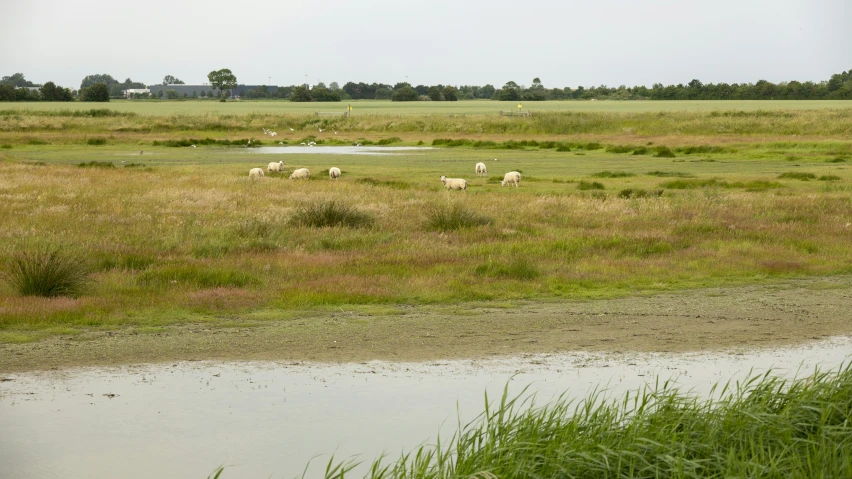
[172,94]
[435,93]
[222,79]
[383,93]
[334,86]
[323,94]
[160,94]
[449,93]
[49,92]
[203,94]
[16,80]
[170,80]
[99,78]
[511,91]
[404,94]
[300,94]
[96,92]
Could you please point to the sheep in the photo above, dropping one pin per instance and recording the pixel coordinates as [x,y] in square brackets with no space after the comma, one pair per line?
[481,169]
[512,178]
[277,167]
[334,173]
[256,173]
[301,173]
[454,183]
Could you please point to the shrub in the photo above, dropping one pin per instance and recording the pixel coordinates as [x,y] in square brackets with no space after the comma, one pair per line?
[663,152]
[613,174]
[37,142]
[669,174]
[327,214]
[828,178]
[690,150]
[388,141]
[454,217]
[639,193]
[641,151]
[397,185]
[46,273]
[594,185]
[96,164]
[96,141]
[797,175]
[517,269]
[563,147]
[836,160]
[6,146]
[620,149]
[691,184]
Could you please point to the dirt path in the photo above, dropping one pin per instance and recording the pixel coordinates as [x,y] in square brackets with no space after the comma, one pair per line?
[722,318]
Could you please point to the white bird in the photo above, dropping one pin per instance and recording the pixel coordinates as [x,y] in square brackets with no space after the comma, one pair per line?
[495,159]
[335,131]
[265,131]
[312,143]
[302,143]
[292,129]
[192,146]
[320,130]
[273,134]
[280,142]
[357,144]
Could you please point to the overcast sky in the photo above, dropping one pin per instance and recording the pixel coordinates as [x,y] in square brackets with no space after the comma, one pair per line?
[564,42]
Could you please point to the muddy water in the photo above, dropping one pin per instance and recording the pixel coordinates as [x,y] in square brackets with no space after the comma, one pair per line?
[338,150]
[266,419]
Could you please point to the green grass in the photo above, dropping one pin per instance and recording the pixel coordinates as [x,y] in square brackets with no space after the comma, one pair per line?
[455,216]
[669,174]
[590,185]
[613,174]
[762,426]
[44,272]
[797,175]
[330,214]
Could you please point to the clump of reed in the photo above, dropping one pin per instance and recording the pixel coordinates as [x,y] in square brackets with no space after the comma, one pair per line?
[46,272]
[329,214]
[763,426]
[797,175]
[454,216]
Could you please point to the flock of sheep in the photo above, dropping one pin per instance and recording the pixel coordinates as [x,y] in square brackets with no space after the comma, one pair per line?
[512,178]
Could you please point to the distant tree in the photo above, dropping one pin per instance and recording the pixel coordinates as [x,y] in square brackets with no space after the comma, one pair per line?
[320,85]
[333,86]
[7,92]
[16,80]
[405,93]
[510,92]
[401,85]
[300,94]
[324,94]
[185,95]
[434,93]
[172,94]
[222,79]
[99,78]
[170,80]
[487,91]
[49,92]
[536,84]
[96,92]
[203,94]
[194,94]
[449,94]
[160,94]
[383,93]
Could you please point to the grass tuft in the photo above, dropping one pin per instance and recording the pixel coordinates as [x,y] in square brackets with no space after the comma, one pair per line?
[613,174]
[669,174]
[97,164]
[330,214]
[639,193]
[829,178]
[47,273]
[96,141]
[590,185]
[663,152]
[517,269]
[389,141]
[454,217]
[797,175]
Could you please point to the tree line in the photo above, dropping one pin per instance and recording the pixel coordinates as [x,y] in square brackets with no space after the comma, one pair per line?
[101,87]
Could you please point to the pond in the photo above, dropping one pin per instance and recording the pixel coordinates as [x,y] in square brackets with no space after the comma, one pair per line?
[339,150]
[268,419]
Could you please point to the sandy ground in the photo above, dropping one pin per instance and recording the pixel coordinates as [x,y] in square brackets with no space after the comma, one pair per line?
[721,318]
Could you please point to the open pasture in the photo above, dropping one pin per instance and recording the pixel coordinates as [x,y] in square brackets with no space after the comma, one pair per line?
[177,235]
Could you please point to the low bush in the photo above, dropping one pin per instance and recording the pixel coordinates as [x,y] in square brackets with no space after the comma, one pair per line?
[663,152]
[692,184]
[96,164]
[613,174]
[46,273]
[96,141]
[669,174]
[642,151]
[836,160]
[329,214]
[593,185]
[639,193]
[620,149]
[6,146]
[828,178]
[516,269]
[389,141]
[454,217]
[797,175]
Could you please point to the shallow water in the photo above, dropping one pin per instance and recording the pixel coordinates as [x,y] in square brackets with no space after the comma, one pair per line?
[268,419]
[339,150]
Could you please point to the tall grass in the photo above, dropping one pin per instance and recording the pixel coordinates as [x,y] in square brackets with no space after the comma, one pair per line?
[326,214]
[454,216]
[48,273]
[762,426]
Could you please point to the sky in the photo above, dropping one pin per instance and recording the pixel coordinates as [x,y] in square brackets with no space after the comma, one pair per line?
[452,42]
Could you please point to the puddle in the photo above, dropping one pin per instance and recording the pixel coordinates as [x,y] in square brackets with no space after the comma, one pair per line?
[268,419]
[339,150]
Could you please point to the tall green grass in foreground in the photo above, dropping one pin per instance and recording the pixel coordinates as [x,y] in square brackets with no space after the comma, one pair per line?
[47,273]
[761,427]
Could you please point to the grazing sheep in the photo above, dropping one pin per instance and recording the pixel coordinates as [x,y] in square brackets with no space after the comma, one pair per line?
[301,173]
[512,178]
[334,173]
[454,183]
[256,173]
[481,169]
[277,167]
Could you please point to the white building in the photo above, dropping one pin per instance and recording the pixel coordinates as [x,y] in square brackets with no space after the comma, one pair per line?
[130,93]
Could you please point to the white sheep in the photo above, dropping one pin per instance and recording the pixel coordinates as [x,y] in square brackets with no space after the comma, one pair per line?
[481,169]
[334,173]
[454,183]
[301,173]
[256,173]
[512,178]
[277,167]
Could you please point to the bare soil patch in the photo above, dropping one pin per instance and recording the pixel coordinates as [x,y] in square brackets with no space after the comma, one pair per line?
[791,312]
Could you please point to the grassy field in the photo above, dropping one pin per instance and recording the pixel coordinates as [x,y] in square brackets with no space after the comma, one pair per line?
[383,107]
[182,234]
